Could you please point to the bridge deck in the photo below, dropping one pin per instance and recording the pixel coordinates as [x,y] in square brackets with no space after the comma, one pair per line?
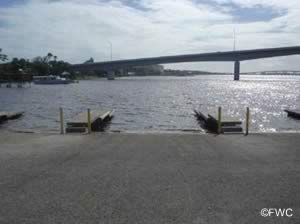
[240,55]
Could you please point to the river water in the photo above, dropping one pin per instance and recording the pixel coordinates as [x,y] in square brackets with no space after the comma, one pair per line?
[156,104]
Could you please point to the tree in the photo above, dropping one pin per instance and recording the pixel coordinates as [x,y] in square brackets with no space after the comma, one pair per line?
[91,60]
[40,66]
[48,57]
[58,67]
[17,64]
[3,57]
[46,66]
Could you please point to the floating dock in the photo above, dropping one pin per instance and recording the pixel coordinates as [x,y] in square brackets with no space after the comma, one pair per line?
[4,116]
[79,123]
[209,122]
[293,113]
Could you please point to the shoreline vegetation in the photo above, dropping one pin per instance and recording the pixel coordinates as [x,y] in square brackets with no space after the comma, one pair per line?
[21,69]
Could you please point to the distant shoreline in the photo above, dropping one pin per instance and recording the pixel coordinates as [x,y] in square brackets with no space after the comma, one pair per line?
[187,75]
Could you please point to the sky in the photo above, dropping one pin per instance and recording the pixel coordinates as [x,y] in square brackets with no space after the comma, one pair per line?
[76,30]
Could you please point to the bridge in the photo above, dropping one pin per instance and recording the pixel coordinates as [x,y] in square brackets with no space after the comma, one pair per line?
[228,56]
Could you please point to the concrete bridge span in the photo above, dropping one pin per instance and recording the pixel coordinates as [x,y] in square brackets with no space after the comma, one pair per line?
[228,56]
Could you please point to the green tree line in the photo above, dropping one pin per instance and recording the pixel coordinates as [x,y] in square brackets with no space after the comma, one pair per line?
[41,65]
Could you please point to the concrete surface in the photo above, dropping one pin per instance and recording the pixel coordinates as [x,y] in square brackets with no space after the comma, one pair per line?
[147,178]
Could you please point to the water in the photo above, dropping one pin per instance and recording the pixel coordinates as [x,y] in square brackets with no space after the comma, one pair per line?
[159,103]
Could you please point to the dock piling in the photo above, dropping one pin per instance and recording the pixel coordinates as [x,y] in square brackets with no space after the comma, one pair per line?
[247,120]
[89,121]
[61,116]
[219,120]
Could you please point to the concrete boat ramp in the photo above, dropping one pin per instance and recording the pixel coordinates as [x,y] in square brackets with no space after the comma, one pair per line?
[148,178]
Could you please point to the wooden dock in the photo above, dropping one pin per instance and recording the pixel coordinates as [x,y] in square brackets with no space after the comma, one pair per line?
[4,116]
[228,124]
[79,123]
[293,113]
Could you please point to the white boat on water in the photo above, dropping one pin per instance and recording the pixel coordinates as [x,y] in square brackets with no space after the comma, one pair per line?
[50,80]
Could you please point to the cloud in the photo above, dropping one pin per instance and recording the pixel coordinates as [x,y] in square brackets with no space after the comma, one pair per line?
[77,30]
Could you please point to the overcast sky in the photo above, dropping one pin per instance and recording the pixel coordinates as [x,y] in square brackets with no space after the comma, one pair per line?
[76,30]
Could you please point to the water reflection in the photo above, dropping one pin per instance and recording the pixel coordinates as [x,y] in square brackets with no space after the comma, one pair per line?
[159,103]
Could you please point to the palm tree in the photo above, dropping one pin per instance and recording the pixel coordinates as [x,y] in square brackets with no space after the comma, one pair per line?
[48,57]
[3,57]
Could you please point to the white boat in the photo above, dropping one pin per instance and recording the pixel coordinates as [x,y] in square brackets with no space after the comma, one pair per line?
[50,80]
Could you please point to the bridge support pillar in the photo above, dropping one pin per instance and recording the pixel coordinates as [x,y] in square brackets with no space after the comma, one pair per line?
[111,75]
[236,70]
[122,72]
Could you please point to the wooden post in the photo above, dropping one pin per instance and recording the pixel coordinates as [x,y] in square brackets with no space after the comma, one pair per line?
[61,116]
[219,120]
[89,121]
[247,120]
